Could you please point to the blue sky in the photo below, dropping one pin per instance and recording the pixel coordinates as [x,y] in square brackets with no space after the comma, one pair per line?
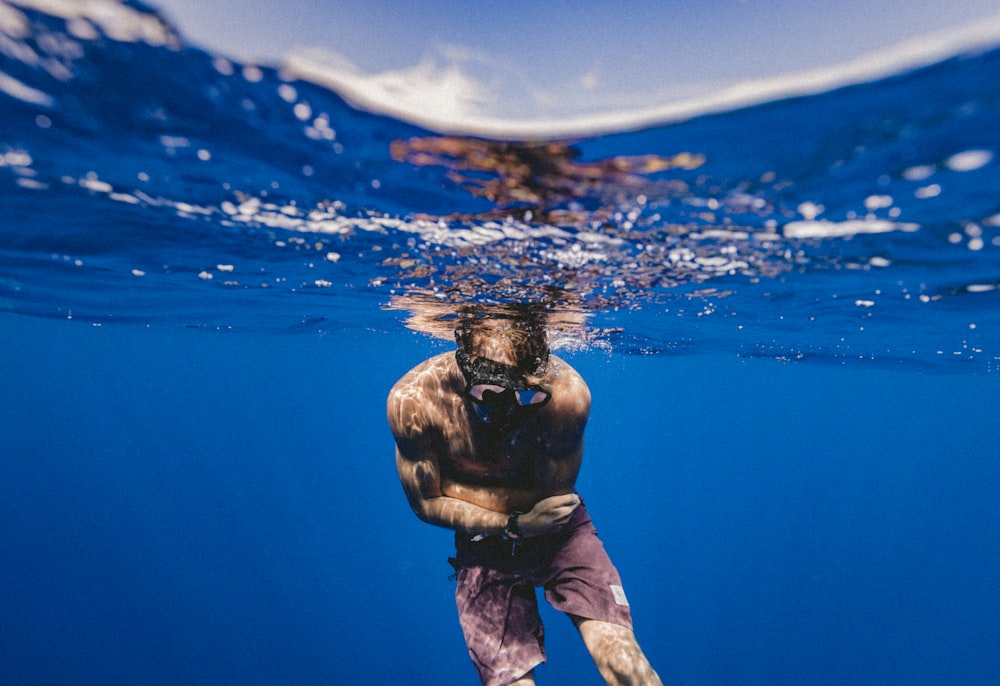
[561,58]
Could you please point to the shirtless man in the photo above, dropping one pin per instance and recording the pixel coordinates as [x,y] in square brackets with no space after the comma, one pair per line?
[489,442]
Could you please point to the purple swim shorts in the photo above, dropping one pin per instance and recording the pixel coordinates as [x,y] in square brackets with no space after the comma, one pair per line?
[497,603]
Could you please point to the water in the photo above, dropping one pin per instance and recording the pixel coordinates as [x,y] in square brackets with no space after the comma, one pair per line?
[210,275]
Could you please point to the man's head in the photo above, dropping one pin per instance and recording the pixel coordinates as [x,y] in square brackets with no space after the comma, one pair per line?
[504,362]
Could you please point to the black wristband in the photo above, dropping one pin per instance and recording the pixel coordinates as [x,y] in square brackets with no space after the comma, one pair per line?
[512,530]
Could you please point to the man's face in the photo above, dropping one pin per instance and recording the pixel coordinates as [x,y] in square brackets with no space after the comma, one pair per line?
[502,361]
[501,393]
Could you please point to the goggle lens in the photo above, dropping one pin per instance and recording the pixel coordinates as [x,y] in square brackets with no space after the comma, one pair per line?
[485,393]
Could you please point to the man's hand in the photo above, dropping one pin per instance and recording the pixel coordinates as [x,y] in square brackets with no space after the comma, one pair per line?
[548,515]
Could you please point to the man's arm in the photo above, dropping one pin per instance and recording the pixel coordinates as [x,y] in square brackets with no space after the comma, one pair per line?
[417,459]
[422,483]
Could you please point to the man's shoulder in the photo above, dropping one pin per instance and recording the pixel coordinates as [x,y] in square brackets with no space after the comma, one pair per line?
[570,393]
[414,405]
[430,374]
[566,375]
[431,368]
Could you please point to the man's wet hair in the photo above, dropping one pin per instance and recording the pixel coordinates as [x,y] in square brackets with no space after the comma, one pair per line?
[523,333]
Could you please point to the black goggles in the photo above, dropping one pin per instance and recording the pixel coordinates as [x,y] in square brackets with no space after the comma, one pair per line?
[493,384]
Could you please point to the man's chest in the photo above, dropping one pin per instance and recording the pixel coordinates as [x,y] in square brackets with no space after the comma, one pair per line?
[512,460]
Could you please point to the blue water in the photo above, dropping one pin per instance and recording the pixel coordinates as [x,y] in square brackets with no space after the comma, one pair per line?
[210,277]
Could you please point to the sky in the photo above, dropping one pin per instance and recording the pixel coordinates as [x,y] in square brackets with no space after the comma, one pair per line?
[521,60]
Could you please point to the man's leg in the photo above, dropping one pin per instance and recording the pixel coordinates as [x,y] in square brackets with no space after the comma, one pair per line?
[616,653]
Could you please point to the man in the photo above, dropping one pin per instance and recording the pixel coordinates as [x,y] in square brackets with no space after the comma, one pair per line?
[489,442]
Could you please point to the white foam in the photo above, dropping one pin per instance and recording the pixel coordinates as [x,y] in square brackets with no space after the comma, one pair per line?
[829,229]
[116,20]
[23,92]
[969,160]
[13,23]
[446,98]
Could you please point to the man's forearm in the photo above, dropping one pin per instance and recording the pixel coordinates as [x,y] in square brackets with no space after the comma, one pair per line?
[461,515]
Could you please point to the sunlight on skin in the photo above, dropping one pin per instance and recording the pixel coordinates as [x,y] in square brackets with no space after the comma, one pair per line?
[616,653]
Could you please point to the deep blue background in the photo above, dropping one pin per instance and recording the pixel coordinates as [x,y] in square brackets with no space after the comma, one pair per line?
[192,507]
[182,506]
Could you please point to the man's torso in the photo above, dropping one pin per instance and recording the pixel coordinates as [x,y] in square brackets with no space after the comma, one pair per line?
[503,471]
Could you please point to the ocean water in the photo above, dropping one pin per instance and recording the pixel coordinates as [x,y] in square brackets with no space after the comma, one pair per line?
[211,274]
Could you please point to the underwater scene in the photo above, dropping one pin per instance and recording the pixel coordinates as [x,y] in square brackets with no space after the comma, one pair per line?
[212,273]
